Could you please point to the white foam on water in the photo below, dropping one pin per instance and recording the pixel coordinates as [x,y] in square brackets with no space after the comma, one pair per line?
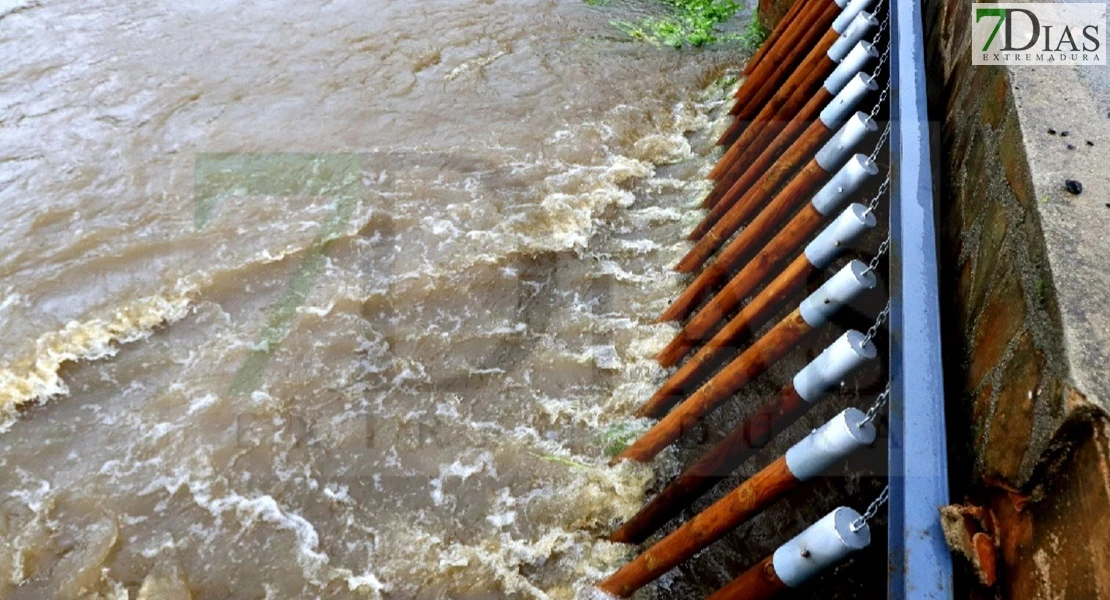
[90,340]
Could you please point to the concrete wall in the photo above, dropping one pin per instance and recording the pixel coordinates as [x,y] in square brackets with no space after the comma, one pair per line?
[1027,420]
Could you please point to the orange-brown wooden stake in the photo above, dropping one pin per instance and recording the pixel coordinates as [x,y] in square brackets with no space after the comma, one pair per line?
[807,180]
[782,338]
[809,60]
[771,139]
[747,500]
[801,83]
[749,194]
[788,240]
[728,339]
[747,438]
[772,72]
[830,50]
[787,22]
[742,247]
[757,583]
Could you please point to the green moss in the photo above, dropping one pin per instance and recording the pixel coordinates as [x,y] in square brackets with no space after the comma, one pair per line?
[754,34]
[690,22]
[560,460]
[618,437]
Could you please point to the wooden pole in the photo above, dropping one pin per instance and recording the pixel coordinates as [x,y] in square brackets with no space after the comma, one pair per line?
[803,36]
[763,226]
[733,162]
[813,312]
[749,195]
[757,583]
[824,544]
[786,82]
[818,255]
[847,86]
[825,203]
[802,83]
[830,444]
[746,501]
[826,372]
[786,24]
[772,72]
[747,438]
[816,172]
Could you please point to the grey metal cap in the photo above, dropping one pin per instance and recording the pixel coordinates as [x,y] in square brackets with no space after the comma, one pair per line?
[848,227]
[824,544]
[830,444]
[826,372]
[859,27]
[836,150]
[844,184]
[851,65]
[850,11]
[842,288]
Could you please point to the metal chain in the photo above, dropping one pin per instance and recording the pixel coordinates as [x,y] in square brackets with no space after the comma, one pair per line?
[871,510]
[879,320]
[882,98]
[873,412]
[882,61]
[882,138]
[883,25]
[883,248]
[874,203]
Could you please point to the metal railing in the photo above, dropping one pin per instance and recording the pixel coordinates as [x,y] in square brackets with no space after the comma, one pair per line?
[920,563]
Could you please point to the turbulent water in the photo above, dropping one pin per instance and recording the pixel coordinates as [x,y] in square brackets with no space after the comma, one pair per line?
[332,300]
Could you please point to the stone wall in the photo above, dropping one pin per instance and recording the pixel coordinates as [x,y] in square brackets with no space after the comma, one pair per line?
[1027,431]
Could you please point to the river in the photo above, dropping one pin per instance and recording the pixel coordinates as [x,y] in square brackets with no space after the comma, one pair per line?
[344,299]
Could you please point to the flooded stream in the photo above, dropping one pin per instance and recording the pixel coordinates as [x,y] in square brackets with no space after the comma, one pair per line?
[343,299]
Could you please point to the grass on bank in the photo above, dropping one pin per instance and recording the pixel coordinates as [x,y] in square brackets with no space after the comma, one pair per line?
[695,23]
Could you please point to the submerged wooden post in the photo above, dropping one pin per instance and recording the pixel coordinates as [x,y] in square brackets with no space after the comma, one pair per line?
[746,161]
[788,24]
[818,255]
[816,172]
[824,544]
[773,71]
[802,83]
[826,202]
[824,374]
[814,311]
[817,31]
[813,455]
[764,225]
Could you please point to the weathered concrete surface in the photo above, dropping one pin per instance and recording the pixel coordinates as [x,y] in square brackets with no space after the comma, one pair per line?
[1026,270]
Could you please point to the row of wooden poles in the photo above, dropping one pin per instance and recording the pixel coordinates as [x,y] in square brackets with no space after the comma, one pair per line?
[776,219]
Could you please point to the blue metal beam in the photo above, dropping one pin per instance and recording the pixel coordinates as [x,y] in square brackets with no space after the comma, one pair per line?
[920,563]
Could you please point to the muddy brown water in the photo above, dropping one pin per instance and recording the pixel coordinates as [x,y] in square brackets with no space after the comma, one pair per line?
[332,299]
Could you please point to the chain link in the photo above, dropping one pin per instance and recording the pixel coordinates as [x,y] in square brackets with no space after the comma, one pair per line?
[879,320]
[882,138]
[879,67]
[883,187]
[873,412]
[871,510]
[875,260]
[883,25]
[882,98]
